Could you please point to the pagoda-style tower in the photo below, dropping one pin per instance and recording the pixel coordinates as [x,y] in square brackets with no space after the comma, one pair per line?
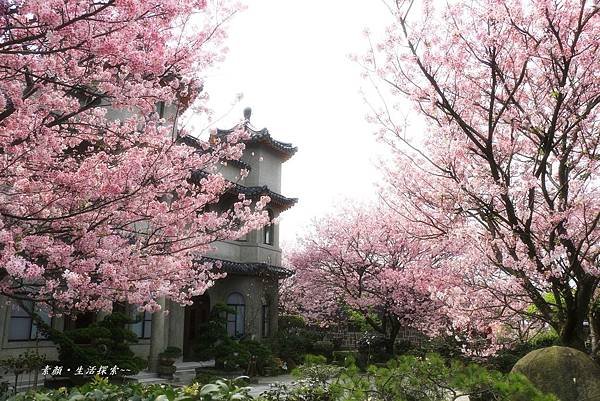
[252,263]
[263,158]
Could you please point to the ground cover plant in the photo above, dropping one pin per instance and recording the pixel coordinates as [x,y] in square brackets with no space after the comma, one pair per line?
[407,378]
[101,390]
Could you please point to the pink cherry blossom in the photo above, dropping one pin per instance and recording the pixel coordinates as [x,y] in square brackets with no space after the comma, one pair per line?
[97,200]
[505,175]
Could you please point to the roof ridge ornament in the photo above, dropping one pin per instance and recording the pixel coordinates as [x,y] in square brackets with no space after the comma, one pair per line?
[247,114]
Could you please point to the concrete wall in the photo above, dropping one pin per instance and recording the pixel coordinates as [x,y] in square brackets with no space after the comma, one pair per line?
[232,173]
[255,290]
[266,167]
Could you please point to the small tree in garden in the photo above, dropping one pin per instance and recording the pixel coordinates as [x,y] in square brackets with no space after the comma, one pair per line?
[507,171]
[97,204]
[367,261]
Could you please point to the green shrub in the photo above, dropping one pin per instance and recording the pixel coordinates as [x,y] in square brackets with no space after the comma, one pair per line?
[229,354]
[104,343]
[204,378]
[372,348]
[432,379]
[27,362]
[320,374]
[324,347]
[301,391]
[311,359]
[171,352]
[448,347]
[214,334]
[225,390]
[344,358]
[293,340]
[101,390]
[407,378]
[263,354]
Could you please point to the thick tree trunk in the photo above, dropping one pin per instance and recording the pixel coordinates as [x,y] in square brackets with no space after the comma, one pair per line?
[574,336]
[392,334]
[595,331]
[389,329]
[573,333]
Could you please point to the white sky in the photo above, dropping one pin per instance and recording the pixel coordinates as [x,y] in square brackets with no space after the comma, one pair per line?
[290,61]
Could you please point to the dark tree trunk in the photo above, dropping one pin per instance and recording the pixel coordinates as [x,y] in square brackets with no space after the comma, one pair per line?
[595,331]
[579,308]
[573,335]
[391,334]
[389,329]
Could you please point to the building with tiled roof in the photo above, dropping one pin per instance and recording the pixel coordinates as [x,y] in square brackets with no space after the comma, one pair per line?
[252,264]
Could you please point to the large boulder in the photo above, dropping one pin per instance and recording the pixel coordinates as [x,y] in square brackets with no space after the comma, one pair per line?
[568,373]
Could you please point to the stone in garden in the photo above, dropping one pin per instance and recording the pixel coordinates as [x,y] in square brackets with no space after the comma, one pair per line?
[568,373]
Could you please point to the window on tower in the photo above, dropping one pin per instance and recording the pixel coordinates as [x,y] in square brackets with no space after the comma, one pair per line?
[237,319]
[269,230]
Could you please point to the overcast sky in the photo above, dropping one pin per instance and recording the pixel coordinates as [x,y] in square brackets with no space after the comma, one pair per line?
[290,61]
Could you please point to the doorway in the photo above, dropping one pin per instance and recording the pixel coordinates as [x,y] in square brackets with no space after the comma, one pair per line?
[195,315]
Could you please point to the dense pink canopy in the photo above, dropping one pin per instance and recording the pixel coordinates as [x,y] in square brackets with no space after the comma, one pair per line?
[507,170]
[96,199]
[366,260]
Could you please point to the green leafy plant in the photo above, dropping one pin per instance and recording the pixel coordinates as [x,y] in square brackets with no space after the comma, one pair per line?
[214,333]
[320,374]
[229,354]
[102,343]
[226,390]
[311,359]
[169,356]
[323,347]
[432,378]
[344,358]
[293,340]
[27,362]
[100,389]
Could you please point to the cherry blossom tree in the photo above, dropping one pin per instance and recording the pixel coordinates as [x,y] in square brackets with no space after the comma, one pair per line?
[98,200]
[507,167]
[362,259]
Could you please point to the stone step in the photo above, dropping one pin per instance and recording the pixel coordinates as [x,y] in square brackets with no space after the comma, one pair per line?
[152,380]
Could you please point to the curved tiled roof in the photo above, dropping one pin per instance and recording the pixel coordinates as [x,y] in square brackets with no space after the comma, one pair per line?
[249,269]
[255,192]
[262,136]
[196,143]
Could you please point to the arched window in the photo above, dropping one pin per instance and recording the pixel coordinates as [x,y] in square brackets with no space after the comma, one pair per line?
[266,317]
[235,320]
[269,230]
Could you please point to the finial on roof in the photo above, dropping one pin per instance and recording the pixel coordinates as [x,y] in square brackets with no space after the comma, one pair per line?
[247,113]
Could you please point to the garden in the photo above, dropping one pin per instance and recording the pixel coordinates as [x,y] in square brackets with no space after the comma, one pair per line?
[471,271]
[406,378]
[429,370]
